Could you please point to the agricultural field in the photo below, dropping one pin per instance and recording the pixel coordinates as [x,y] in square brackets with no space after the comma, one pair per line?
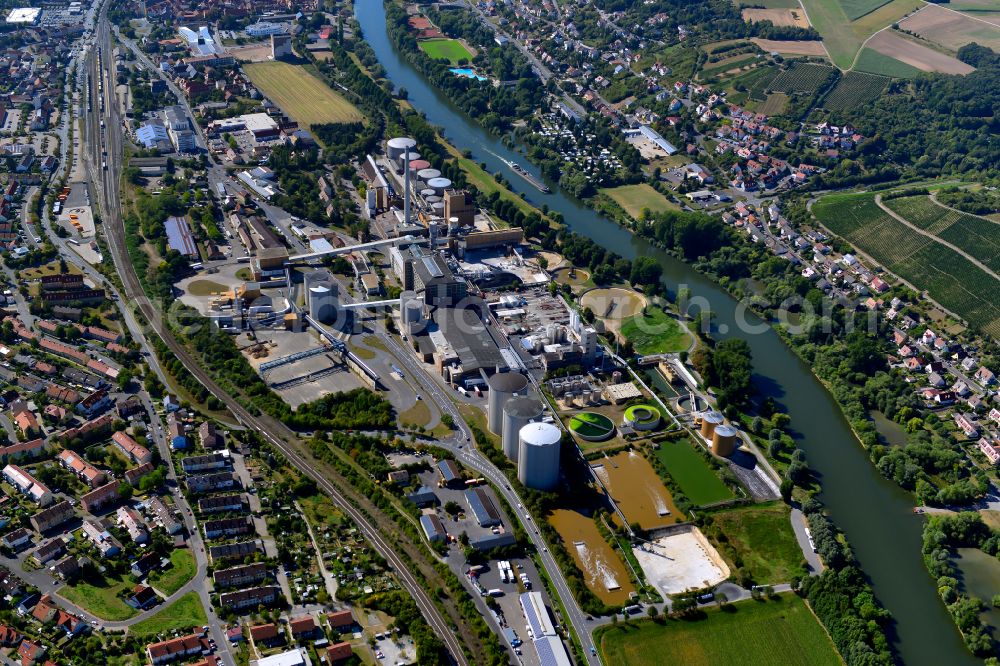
[761,536]
[949,278]
[793,17]
[801,78]
[774,105]
[873,62]
[894,45]
[692,473]
[749,633]
[451,50]
[729,64]
[853,90]
[846,24]
[950,29]
[976,236]
[759,81]
[304,97]
[636,198]
[655,332]
[770,4]
[803,47]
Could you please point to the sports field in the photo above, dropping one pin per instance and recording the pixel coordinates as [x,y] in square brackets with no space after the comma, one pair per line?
[692,473]
[451,50]
[749,633]
[844,26]
[655,332]
[948,277]
[304,97]
[636,198]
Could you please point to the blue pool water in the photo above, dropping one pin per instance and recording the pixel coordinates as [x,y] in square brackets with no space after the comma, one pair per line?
[467,73]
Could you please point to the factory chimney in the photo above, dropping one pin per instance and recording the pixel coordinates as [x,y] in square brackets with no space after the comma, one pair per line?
[406,188]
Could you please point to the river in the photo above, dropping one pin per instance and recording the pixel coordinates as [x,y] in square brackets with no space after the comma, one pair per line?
[875,514]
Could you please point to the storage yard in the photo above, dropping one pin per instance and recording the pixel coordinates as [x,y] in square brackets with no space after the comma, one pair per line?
[681,560]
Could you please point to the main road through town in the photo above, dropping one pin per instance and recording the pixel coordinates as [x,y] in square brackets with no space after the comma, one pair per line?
[875,515]
[108,181]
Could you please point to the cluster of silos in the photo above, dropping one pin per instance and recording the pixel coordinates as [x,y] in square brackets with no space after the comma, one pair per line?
[538,456]
[395,148]
[722,436]
[321,296]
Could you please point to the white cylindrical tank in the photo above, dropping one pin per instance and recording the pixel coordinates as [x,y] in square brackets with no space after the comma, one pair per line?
[413,312]
[439,185]
[432,199]
[323,302]
[517,413]
[437,208]
[538,456]
[503,386]
[709,422]
[724,440]
[428,174]
[426,192]
[398,145]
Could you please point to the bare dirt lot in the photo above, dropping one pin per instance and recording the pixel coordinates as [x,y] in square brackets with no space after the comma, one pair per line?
[779,17]
[951,29]
[806,48]
[916,55]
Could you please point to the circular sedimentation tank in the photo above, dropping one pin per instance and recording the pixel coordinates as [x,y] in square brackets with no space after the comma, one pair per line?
[591,426]
[643,417]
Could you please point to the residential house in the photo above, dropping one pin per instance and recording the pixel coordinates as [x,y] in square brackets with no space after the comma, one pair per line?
[241,576]
[130,520]
[86,472]
[132,449]
[52,517]
[95,500]
[250,598]
[106,544]
[175,648]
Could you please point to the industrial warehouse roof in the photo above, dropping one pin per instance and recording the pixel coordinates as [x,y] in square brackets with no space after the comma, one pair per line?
[468,338]
[483,507]
[179,236]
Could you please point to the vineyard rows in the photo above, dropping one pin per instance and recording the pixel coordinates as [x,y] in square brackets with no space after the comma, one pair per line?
[976,236]
[949,278]
[801,77]
[855,89]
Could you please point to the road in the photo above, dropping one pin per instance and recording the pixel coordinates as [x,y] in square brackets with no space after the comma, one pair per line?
[108,182]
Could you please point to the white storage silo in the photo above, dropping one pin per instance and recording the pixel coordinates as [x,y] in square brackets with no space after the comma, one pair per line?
[709,422]
[724,440]
[437,208]
[439,185]
[323,302]
[503,386]
[538,456]
[399,145]
[426,192]
[517,413]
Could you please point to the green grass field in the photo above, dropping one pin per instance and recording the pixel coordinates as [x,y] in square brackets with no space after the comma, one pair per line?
[304,97]
[948,277]
[185,613]
[750,633]
[451,50]
[844,36]
[692,473]
[182,569]
[635,198]
[873,62]
[762,537]
[99,595]
[655,332]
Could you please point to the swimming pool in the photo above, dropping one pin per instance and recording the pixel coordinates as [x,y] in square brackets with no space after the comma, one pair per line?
[467,73]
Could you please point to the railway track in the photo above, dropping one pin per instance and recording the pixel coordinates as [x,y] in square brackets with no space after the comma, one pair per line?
[109,137]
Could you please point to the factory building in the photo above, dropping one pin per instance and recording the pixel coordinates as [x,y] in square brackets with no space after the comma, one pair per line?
[427,273]
[538,456]
[465,351]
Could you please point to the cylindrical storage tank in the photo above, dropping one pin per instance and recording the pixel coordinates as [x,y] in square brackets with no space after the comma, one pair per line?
[439,185]
[724,440]
[452,225]
[437,208]
[398,145]
[432,199]
[538,456]
[426,174]
[517,413]
[416,166]
[616,377]
[426,192]
[413,312]
[503,385]
[401,160]
[322,303]
[709,422]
